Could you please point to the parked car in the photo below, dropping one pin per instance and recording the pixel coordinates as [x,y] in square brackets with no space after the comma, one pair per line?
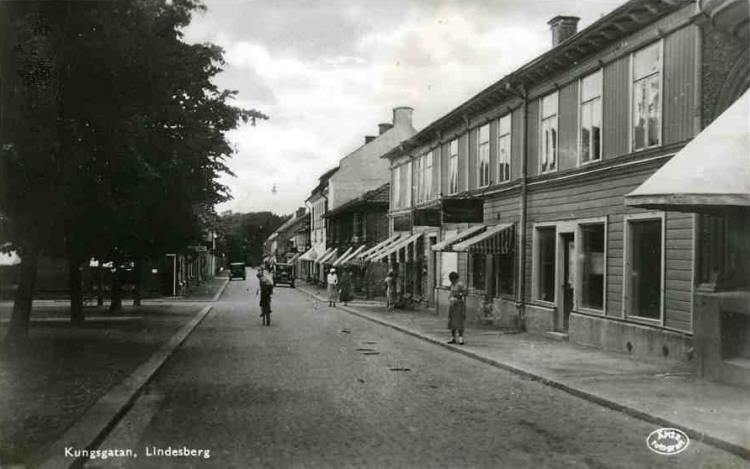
[237,270]
[283,273]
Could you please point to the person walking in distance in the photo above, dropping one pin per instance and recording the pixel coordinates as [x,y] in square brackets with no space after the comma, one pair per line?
[390,290]
[333,287]
[265,288]
[456,309]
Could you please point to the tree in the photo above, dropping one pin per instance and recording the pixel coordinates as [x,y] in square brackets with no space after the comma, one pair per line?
[135,134]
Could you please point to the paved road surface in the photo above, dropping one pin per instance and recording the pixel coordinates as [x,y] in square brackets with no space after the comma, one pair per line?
[322,388]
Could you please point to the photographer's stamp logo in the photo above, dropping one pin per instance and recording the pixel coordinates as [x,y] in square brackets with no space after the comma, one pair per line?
[667,441]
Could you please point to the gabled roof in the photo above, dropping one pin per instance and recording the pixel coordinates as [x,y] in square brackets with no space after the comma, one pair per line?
[323,181]
[624,20]
[379,196]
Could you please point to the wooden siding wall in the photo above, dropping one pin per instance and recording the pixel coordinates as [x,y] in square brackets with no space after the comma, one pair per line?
[568,127]
[679,271]
[376,227]
[516,143]
[679,84]
[532,138]
[505,209]
[615,111]
[463,162]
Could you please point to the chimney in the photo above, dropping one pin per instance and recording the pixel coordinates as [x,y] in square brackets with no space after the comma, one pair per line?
[383,128]
[300,212]
[402,116]
[563,27]
[370,138]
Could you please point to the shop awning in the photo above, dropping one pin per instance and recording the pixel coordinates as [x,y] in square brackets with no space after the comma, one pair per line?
[353,255]
[331,258]
[498,239]
[293,259]
[379,247]
[711,171]
[325,256]
[396,247]
[310,255]
[343,256]
[447,244]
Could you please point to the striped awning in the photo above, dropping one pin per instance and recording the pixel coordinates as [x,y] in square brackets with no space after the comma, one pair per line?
[331,258]
[353,255]
[397,246]
[367,255]
[325,255]
[293,259]
[342,257]
[447,244]
[310,255]
[498,239]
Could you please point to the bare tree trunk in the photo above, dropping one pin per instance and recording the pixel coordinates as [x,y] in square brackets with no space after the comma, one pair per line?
[115,293]
[19,321]
[77,315]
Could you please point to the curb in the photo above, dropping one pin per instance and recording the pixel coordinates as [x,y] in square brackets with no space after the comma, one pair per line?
[221,290]
[694,434]
[92,427]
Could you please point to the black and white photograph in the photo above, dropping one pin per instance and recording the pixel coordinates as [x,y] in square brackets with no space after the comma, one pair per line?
[374,233]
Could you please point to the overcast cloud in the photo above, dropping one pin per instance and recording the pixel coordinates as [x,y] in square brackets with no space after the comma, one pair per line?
[327,72]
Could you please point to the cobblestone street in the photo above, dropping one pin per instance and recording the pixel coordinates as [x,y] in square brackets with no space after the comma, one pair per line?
[323,388]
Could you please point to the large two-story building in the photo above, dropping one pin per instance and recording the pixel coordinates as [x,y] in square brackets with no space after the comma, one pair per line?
[521,188]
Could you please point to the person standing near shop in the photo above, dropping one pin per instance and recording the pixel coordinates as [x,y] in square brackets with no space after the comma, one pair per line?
[390,290]
[333,287]
[456,309]
[345,286]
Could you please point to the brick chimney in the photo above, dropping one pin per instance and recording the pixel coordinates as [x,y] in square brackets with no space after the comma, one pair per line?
[300,212]
[370,138]
[383,128]
[563,27]
[402,116]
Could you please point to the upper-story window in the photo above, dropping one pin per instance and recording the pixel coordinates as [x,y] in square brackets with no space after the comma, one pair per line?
[503,149]
[548,144]
[591,117]
[453,168]
[397,187]
[646,119]
[420,179]
[427,177]
[483,153]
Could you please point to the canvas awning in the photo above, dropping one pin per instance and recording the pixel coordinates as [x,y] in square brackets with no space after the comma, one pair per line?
[498,239]
[310,255]
[396,247]
[447,244]
[713,170]
[379,247]
[342,257]
[353,255]
[331,257]
[325,256]
[293,259]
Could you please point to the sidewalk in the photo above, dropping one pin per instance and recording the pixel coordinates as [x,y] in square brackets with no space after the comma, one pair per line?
[659,392]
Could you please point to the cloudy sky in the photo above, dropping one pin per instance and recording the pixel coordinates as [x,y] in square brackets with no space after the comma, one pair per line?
[327,72]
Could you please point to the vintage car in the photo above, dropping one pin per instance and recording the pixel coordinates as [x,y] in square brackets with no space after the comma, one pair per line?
[283,273]
[237,270]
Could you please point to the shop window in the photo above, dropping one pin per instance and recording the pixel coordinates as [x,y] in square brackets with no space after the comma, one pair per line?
[448,264]
[592,266]
[503,149]
[545,268]
[643,268]
[591,118]
[478,271]
[646,97]
[723,252]
[503,272]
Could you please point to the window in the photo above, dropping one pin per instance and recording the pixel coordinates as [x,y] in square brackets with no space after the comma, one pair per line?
[453,168]
[503,272]
[503,149]
[549,134]
[591,118]
[420,179]
[643,268]
[448,264]
[396,187]
[591,265]
[428,176]
[646,65]
[546,263]
[478,269]
[483,153]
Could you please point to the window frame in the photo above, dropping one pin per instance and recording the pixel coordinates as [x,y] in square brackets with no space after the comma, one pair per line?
[578,288]
[552,118]
[500,137]
[396,187]
[535,258]
[626,268]
[631,89]
[581,104]
[453,167]
[428,169]
[420,179]
[483,161]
